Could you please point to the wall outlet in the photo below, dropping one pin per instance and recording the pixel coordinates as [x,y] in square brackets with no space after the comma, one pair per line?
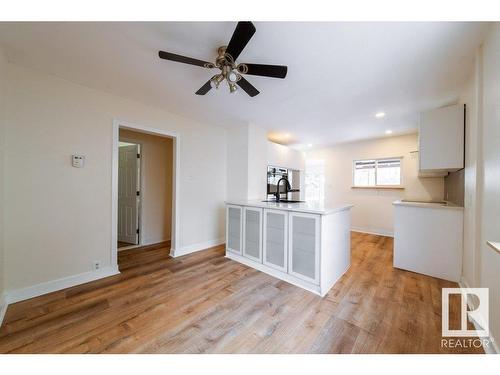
[96,265]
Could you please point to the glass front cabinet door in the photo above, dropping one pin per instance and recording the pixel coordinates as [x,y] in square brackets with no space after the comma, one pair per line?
[275,242]
[252,233]
[304,246]
[234,222]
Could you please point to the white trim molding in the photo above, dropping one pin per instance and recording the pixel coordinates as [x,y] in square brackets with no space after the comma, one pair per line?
[3,307]
[18,295]
[375,231]
[195,247]
[492,348]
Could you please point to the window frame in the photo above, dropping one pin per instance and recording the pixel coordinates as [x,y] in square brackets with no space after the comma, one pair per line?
[376,186]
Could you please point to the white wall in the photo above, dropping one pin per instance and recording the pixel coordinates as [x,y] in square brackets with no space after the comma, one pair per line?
[481,264]
[156,192]
[257,162]
[59,216]
[373,211]
[472,175]
[249,153]
[237,163]
[283,156]
[3,109]
[490,212]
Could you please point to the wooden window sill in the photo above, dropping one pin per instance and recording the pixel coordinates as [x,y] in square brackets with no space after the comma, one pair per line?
[494,245]
[378,187]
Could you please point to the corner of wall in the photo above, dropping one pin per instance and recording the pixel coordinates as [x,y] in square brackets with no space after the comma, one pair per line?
[3,110]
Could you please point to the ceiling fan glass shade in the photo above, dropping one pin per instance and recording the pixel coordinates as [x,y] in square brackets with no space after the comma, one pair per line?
[232,87]
[183,59]
[204,89]
[216,80]
[241,36]
[247,87]
[232,77]
[274,71]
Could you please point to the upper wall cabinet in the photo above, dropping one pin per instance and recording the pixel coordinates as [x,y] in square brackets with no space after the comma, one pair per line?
[441,141]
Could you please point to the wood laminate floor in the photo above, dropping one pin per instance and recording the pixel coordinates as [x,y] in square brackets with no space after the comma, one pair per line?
[124,244]
[205,303]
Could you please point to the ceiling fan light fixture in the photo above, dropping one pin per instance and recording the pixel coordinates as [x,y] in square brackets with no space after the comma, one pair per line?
[216,80]
[232,87]
[226,61]
[232,77]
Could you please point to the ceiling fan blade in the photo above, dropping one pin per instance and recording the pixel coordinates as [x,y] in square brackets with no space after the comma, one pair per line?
[204,89]
[241,36]
[247,87]
[275,71]
[183,59]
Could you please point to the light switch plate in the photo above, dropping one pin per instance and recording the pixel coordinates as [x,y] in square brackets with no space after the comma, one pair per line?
[78,161]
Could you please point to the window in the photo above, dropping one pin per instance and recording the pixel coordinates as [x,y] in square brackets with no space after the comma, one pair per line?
[377,172]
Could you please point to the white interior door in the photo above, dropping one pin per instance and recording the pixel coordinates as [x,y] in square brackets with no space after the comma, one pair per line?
[128,200]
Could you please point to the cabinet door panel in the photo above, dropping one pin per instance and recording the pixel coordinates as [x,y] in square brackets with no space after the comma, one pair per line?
[233,231]
[304,246]
[275,239]
[252,243]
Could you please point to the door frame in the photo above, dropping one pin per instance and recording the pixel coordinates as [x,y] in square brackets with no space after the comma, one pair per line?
[141,185]
[120,124]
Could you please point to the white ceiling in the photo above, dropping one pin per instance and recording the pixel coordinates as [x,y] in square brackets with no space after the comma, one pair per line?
[339,74]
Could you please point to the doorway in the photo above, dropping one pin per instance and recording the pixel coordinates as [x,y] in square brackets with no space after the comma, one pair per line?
[144,188]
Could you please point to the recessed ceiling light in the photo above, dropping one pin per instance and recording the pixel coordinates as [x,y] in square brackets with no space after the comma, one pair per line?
[309,145]
[380,114]
[388,132]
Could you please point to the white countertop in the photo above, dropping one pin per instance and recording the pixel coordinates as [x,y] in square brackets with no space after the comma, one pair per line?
[445,205]
[308,207]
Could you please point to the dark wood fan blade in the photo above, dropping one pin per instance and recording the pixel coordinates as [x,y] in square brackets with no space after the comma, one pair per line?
[183,59]
[241,36]
[204,89]
[275,71]
[247,87]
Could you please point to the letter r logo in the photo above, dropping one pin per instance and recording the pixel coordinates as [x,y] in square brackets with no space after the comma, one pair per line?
[479,314]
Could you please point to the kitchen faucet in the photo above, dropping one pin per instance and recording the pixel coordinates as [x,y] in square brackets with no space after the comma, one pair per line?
[287,188]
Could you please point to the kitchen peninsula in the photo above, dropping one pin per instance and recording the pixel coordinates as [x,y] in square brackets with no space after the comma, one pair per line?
[306,244]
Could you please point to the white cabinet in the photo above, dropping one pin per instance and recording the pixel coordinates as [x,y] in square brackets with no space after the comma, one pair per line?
[304,246]
[441,140]
[234,226]
[307,249]
[275,244]
[252,233]
[428,239]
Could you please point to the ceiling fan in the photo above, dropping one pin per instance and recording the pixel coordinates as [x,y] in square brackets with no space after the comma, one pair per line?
[226,62]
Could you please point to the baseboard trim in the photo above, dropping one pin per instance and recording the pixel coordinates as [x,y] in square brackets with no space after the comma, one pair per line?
[3,307]
[18,295]
[492,348]
[196,247]
[376,232]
